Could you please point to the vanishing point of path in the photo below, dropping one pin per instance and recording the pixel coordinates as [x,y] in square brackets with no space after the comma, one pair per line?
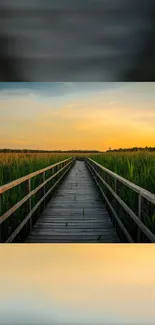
[75,213]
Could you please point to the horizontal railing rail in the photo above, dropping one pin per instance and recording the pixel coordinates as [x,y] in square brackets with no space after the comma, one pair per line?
[95,169]
[20,180]
[62,168]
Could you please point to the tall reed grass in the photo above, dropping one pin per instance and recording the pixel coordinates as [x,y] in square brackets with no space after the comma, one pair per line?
[139,168]
[14,166]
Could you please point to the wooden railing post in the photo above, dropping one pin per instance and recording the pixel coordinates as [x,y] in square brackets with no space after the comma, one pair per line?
[60,165]
[95,167]
[99,172]
[55,171]
[115,185]
[43,178]
[115,201]
[52,181]
[0,215]
[139,215]
[29,202]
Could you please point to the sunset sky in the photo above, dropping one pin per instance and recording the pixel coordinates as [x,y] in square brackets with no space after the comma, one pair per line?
[77,284]
[76,115]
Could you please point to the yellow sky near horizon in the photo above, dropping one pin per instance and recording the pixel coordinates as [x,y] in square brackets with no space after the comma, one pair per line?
[91,122]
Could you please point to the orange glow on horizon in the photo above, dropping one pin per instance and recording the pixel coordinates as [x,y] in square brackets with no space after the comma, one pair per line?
[90,123]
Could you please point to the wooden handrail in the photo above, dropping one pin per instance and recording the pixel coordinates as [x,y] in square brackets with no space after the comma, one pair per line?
[65,165]
[146,194]
[142,192]
[20,180]
[28,217]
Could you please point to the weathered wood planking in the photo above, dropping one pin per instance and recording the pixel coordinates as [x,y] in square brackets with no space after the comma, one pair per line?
[75,213]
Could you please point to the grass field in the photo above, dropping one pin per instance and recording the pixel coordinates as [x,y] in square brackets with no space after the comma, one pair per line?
[13,166]
[139,168]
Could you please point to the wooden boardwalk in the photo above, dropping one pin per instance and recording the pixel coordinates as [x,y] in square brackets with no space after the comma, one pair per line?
[75,213]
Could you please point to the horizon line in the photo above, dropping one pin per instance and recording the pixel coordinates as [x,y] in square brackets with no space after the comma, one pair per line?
[79,150]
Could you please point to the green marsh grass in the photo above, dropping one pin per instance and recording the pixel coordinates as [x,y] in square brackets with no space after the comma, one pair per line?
[139,168]
[14,166]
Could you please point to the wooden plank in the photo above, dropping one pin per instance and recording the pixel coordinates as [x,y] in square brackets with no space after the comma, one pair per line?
[69,222]
[78,210]
[75,217]
[71,232]
[72,236]
[43,240]
[74,206]
[79,219]
[72,227]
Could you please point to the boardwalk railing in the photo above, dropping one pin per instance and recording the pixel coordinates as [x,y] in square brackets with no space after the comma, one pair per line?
[58,171]
[99,174]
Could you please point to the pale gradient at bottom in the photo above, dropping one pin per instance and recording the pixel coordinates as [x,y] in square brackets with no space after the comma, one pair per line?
[77,284]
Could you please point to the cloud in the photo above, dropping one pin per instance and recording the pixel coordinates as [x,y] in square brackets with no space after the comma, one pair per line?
[112,103]
[56,89]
